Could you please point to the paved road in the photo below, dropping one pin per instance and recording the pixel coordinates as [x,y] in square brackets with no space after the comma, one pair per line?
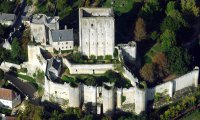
[27,89]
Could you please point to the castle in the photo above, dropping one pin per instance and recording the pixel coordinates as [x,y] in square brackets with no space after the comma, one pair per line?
[96,38]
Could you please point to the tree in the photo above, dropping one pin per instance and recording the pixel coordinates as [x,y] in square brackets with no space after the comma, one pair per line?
[161,61]
[170,24]
[178,60]
[150,8]
[15,46]
[170,7]
[1,74]
[140,30]
[147,72]
[31,111]
[168,40]
[2,30]
[55,115]
[90,81]
[29,2]
[189,7]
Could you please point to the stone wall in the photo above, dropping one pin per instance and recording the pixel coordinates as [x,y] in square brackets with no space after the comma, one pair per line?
[56,89]
[127,74]
[87,68]
[74,96]
[189,79]
[168,87]
[140,100]
[129,95]
[35,59]
[90,94]
[6,65]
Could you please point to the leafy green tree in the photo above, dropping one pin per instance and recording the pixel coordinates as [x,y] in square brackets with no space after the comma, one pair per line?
[170,7]
[2,30]
[150,7]
[15,46]
[170,24]
[90,80]
[140,30]
[1,74]
[168,40]
[190,7]
[178,60]
[31,111]
[29,2]
[55,115]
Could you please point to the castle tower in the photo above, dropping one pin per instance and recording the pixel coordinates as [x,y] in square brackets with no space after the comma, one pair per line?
[96,31]
[140,100]
[108,98]
[74,96]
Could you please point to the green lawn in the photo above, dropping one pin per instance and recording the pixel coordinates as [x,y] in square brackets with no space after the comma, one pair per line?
[121,6]
[194,116]
[26,77]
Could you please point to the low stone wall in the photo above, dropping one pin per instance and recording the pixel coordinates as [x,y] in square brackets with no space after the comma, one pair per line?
[127,74]
[57,90]
[87,68]
[189,79]
[165,87]
[7,65]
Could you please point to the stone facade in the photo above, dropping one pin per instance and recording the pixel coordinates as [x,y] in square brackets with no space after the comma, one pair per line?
[87,68]
[96,31]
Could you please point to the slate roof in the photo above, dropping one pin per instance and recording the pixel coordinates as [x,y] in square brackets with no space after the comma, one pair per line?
[8,17]
[62,35]
[53,66]
[7,94]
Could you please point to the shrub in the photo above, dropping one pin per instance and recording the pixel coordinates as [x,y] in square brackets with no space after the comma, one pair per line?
[100,57]
[93,57]
[123,99]
[115,53]
[55,51]
[108,57]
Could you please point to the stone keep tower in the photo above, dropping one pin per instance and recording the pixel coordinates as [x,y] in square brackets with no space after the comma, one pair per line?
[96,31]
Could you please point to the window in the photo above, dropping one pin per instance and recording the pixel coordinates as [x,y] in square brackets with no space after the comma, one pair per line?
[66,42]
[92,25]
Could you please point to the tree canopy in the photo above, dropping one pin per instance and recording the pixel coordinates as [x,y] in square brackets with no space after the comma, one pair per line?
[140,30]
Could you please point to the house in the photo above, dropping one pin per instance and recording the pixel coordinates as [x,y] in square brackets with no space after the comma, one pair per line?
[61,39]
[40,25]
[9,98]
[7,19]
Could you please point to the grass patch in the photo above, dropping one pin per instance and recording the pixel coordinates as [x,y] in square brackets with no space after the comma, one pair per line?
[26,77]
[68,79]
[120,6]
[193,116]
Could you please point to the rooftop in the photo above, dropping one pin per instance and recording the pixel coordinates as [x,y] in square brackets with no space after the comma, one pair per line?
[62,35]
[7,16]
[7,94]
[96,12]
